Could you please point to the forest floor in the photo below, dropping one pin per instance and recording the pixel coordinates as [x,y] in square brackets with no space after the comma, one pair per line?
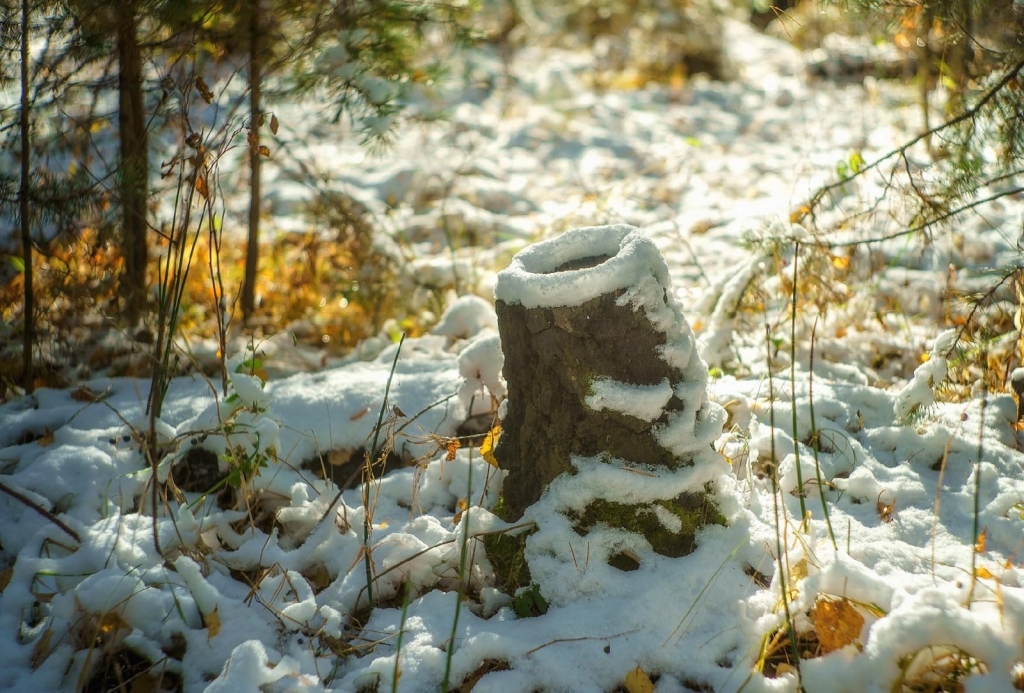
[891,545]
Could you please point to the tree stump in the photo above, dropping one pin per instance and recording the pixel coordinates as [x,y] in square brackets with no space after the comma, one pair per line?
[599,361]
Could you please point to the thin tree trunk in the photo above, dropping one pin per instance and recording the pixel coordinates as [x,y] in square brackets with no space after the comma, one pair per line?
[23,193]
[134,168]
[255,120]
[924,68]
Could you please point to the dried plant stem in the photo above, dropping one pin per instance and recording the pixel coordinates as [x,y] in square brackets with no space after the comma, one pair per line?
[396,673]
[816,441]
[978,544]
[779,517]
[22,498]
[374,451]
[792,385]
[463,553]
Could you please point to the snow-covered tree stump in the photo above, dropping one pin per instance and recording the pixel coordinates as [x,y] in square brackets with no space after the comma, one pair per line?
[600,362]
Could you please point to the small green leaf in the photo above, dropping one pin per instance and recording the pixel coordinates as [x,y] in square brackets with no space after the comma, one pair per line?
[856,162]
[529,602]
[18,263]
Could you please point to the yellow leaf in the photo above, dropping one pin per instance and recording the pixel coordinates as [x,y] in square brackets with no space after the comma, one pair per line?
[491,442]
[979,546]
[45,439]
[983,573]
[637,681]
[460,508]
[784,669]
[212,623]
[798,214]
[202,186]
[41,650]
[840,262]
[264,150]
[836,623]
[111,622]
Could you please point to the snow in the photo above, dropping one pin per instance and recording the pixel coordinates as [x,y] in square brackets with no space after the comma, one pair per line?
[645,402]
[534,279]
[683,193]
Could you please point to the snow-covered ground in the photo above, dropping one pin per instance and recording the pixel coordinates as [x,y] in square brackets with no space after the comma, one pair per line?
[914,572]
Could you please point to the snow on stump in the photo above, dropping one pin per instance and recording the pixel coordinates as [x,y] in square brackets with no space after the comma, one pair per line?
[600,363]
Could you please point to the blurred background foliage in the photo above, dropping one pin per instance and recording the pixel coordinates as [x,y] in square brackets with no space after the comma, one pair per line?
[130,102]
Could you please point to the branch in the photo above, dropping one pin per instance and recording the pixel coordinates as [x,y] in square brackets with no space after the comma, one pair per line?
[913,229]
[966,115]
[22,498]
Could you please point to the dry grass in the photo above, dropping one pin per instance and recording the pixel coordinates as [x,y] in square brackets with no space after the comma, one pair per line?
[330,292]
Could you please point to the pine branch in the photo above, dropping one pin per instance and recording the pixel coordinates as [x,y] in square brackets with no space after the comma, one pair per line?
[969,114]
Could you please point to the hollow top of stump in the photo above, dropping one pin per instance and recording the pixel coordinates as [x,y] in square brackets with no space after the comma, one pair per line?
[580,265]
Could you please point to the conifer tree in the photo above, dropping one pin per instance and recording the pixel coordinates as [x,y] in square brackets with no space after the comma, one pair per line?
[973,53]
[367,53]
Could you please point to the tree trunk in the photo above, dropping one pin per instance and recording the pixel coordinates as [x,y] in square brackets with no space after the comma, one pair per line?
[600,363]
[23,205]
[255,120]
[959,51]
[924,69]
[134,166]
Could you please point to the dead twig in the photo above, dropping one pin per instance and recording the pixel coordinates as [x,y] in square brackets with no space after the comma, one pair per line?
[20,497]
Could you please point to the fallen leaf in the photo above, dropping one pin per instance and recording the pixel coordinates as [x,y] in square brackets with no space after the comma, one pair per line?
[886,511]
[491,442]
[983,573]
[212,623]
[486,667]
[460,508]
[979,546]
[837,623]
[84,394]
[264,150]
[111,622]
[451,445]
[319,578]
[45,439]
[41,650]
[637,681]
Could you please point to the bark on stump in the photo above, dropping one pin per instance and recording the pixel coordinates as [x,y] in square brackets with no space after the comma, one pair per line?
[599,361]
